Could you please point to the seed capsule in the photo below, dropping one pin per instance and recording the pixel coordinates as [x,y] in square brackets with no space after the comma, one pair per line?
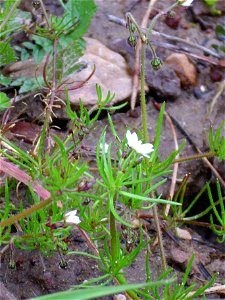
[156,63]
[171,14]
[36,4]
[132,28]
[132,40]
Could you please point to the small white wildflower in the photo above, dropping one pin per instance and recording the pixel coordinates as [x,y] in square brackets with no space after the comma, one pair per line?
[104,146]
[185,2]
[134,143]
[71,217]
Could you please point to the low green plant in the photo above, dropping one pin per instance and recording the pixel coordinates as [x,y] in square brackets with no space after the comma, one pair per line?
[216,143]
[180,290]
[220,215]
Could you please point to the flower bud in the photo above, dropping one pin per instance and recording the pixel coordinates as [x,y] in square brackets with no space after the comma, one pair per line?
[171,14]
[156,63]
[36,4]
[132,40]
[132,28]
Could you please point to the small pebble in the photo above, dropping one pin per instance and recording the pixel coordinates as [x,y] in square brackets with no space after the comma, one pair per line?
[136,223]
[198,93]
[119,297]
[183,234]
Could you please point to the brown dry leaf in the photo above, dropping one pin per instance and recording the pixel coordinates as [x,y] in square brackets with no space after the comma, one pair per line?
[111,74]
[26,131]
[183,67]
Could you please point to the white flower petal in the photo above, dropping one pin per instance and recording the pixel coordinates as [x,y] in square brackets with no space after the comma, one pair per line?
[104,146]
[71,217]
[134,143]
[186,3]
[146,148]
[73,212]
[132,138]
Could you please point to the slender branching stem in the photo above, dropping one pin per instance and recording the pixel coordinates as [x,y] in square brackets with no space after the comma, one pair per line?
[113,235]
[145,41]
[143,100]
[193,157]
[45,14]
[154,20]
[53,85]
[63,263]
[54,81]
[25,213]
[120,278]
[171,38]
[145,134]
[159,234]
[132,19]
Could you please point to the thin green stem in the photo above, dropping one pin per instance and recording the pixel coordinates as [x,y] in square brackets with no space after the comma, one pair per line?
[151,26]
[201,214]
[145,135]
[113,235]
[141,35]
[120,278]
[154,20]
[54,80]
[193,157]
[159,234]
[143,100]
[45,14]
[152,49]
[25,213]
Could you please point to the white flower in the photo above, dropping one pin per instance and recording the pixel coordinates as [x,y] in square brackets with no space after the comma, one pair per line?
[185,2]
[134,143]
[104,146]
[71,217]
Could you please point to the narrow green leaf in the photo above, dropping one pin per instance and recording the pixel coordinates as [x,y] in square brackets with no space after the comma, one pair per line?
[153,200]
[93,293]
